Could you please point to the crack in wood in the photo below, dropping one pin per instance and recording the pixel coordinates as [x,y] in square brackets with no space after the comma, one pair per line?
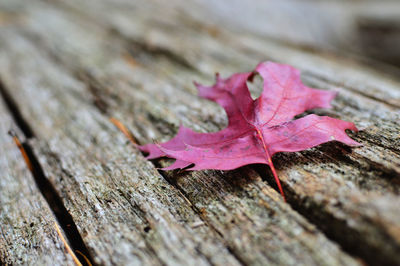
[137,48]
[134,46]
[350,241]
[334,228]
[64,218]
[102,105]
[352,89]
[339,231]
[15,112]
[94,89]
[199,213]
[370,138]
[305,211]
[48,191]
[346,242]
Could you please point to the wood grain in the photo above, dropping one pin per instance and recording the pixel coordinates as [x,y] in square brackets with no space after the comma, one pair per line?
[27,230]
[71,66]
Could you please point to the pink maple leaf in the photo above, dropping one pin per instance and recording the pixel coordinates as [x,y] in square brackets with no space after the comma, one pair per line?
[258,128]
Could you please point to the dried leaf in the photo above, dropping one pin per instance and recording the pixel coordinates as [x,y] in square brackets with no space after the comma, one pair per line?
[258,128]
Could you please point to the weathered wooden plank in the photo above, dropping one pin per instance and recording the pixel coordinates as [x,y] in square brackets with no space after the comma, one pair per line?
[330,185]
[366,28]
[175,31]
[27,225]
[250,216]
[375,98]
[125,211]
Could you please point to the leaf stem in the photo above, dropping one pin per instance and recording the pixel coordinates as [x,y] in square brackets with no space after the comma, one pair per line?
[260,136]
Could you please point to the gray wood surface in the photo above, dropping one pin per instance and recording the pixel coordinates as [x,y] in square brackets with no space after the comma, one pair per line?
[71,66]
[27,230]
[368,28]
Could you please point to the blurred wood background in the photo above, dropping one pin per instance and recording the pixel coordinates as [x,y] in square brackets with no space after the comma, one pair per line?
[67,67]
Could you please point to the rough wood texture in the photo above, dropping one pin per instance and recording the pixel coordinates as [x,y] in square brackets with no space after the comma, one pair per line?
[70,66]
[367,28]
[27,230]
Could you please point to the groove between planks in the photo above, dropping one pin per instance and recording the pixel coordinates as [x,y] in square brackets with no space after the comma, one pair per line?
[64,59]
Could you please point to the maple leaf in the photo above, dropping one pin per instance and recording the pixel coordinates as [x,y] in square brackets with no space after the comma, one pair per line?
[257,129]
